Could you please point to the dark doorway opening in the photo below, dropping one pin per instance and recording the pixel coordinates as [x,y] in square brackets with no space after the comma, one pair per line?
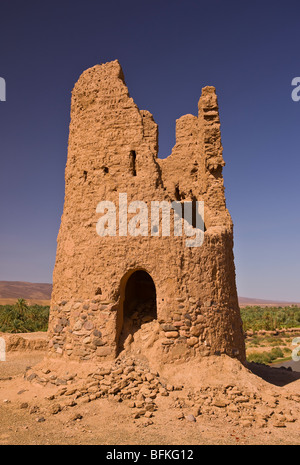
[139,304]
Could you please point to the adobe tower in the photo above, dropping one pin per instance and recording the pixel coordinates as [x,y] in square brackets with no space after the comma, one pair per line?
[113,292]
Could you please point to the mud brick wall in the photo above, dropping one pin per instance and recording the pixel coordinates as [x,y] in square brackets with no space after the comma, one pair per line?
[113,149]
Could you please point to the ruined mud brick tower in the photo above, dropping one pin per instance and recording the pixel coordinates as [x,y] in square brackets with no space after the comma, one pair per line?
[107,290]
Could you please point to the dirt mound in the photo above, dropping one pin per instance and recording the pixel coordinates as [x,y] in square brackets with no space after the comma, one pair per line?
[214,400]
[215,386]
[153,390]
[25,342]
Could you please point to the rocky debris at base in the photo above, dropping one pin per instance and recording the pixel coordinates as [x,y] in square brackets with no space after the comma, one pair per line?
[125,381]
[239,407]
[46,376]
[132,382]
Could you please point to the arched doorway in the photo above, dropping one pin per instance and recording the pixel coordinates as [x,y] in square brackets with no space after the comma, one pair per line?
[138,302]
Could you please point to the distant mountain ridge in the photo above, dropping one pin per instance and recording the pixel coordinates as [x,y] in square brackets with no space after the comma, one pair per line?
[10,291]
[25,290]
[244,301]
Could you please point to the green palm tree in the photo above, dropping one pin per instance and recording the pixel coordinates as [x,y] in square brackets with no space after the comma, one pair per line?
[21,306]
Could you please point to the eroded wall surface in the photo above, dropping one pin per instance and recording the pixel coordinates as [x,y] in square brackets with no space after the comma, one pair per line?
[113,149]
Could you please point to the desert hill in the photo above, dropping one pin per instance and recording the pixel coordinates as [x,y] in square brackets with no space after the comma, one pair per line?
[244,301]
[39,293]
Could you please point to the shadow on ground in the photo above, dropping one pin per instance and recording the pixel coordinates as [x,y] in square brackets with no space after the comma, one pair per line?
[279,376]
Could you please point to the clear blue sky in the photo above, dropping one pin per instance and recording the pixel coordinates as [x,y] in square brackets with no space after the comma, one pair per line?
[169,50]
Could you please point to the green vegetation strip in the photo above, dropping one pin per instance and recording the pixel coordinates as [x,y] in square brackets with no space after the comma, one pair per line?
[22,318]
[270,318]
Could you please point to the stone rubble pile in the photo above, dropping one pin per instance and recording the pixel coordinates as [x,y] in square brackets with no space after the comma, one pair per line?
[125,380]
[140,314]
[132,382]
[143,312]
[239,407]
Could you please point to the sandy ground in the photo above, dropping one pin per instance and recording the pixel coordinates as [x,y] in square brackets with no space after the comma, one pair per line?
[25,417]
